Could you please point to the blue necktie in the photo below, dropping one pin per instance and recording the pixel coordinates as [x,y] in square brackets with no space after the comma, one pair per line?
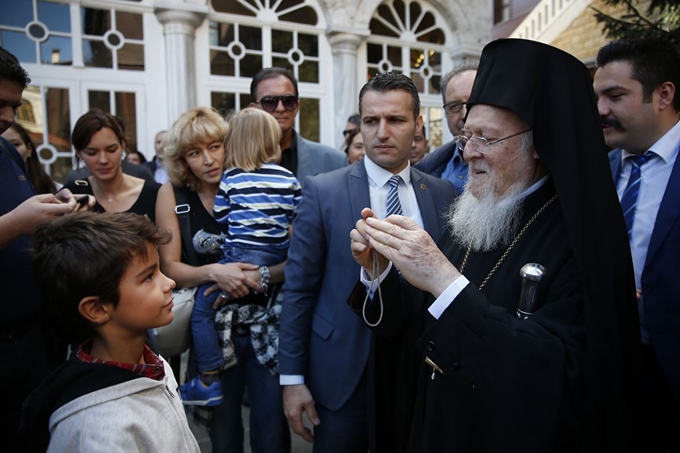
[630,195]
[393,204]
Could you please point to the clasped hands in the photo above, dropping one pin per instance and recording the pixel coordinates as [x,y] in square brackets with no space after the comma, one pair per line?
[410,248]
[236,280]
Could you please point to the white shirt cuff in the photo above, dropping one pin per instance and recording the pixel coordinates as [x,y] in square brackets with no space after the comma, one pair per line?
[291,379]
[372,285]
[446,298]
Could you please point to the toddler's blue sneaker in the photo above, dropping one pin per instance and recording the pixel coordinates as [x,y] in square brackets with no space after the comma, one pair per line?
[195,393]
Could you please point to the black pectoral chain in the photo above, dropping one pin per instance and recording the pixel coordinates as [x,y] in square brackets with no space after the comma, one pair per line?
[514,242]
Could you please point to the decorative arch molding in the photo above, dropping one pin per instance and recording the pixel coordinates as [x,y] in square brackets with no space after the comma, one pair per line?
[468,25]
[357,14]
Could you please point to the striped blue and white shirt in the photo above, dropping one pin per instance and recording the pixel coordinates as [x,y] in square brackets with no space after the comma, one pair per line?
[258,206]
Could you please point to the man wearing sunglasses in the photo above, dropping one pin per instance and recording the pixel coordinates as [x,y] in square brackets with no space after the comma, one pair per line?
[323,347]
[275,90]
[447,161]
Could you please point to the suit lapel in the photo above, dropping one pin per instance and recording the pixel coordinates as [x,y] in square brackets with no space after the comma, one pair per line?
[428,210]
[357,184]
[305,160]
[668,214]
[615,165]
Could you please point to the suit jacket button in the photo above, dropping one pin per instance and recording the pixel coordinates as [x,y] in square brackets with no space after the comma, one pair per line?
[455,367]
[431,345]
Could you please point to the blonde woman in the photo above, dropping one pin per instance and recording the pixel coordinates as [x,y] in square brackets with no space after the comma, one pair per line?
[194,155]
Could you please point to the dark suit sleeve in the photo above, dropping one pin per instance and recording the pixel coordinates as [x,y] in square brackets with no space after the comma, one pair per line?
[391,313]
[304,275]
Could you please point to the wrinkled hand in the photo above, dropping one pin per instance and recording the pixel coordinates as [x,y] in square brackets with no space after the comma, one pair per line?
[412,251]
[362,250]
[296,400]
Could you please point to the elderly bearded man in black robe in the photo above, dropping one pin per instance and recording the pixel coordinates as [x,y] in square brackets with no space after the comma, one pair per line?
[453,353]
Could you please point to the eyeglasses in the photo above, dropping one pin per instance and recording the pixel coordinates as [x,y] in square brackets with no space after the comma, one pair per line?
[454,107]
[481,144]
[270,103]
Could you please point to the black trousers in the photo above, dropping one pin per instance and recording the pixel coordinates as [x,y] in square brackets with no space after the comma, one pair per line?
[660,422]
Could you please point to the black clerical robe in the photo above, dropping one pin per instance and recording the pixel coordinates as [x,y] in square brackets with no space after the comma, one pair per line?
[506,385]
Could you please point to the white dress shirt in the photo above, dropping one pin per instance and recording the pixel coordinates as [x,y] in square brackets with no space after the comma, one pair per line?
[378,187]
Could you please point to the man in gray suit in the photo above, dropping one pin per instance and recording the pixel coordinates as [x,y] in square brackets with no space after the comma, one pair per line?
[324,347]
[275,91]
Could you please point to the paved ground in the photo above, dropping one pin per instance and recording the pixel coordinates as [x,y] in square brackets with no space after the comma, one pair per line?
[299,445]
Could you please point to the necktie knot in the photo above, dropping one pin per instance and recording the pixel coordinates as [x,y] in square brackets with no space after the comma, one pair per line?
[394,181]
[641,159]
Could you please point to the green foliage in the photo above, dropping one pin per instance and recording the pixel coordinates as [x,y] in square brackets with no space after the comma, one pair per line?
[661,20]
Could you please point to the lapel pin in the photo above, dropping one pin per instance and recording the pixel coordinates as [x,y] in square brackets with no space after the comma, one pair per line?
[422,186]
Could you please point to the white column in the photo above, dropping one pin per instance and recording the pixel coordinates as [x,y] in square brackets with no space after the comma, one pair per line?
[465,54]
[179,28]
[345,88]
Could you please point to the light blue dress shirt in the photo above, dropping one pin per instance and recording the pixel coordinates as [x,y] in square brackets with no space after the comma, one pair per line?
[456,171]
[655,174]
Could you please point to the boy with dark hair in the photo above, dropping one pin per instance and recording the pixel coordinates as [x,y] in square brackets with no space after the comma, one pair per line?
[100,277]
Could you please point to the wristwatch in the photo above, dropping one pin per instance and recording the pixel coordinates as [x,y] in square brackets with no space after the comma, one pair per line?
[264,278]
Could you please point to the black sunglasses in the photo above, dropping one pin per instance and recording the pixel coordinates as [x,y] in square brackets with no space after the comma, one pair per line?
[270,103]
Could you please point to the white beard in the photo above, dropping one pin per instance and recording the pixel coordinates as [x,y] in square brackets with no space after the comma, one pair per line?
[490,221]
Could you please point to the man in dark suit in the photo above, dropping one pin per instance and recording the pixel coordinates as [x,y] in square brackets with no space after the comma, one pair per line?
[323,347]
[637,83]
[275,90]
[447,161]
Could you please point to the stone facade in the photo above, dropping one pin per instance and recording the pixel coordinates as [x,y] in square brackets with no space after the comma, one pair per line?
[584,37]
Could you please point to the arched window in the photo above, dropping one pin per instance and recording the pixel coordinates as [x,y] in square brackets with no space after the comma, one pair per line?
[408,37]
[248,35]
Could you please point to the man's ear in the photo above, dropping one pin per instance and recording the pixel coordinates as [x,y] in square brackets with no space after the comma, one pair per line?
[94,310]
[419,123]
[666,95]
